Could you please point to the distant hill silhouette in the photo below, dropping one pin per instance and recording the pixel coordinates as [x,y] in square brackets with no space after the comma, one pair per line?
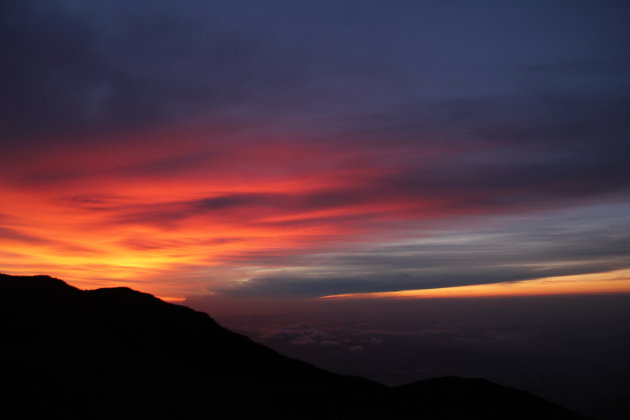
[120,354]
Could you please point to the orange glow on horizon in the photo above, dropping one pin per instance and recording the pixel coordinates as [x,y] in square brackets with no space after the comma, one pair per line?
[598,283]
[172,299]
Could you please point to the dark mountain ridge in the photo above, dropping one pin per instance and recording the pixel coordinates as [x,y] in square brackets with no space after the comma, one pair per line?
[120,354]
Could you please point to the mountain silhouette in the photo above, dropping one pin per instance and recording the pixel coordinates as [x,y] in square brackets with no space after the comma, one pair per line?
[116,353]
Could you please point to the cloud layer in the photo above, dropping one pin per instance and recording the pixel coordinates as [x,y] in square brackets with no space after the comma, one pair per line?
[308,150]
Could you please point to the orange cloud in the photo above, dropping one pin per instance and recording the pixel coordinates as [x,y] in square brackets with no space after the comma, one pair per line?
[179,211]
[138,211]
[599,283]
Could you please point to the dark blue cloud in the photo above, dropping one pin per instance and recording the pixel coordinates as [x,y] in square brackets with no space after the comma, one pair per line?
[73,66]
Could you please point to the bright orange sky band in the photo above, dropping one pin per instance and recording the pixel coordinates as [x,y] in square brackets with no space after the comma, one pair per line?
[168,214]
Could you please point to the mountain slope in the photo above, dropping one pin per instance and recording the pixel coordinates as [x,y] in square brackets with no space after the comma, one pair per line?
[117,354]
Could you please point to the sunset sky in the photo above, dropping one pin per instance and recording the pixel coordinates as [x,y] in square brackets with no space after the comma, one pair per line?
[305,149]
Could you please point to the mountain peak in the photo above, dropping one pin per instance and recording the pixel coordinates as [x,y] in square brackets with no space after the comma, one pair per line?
[118,353]
[122,293]
[36,283]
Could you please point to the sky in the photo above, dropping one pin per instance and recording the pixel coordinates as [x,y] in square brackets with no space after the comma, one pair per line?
[282,151]
[392,189]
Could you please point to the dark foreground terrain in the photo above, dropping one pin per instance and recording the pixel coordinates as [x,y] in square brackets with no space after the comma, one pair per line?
[121,354]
